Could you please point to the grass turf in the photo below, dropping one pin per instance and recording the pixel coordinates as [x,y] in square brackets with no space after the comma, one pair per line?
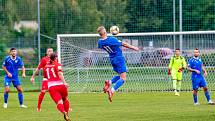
[147,106]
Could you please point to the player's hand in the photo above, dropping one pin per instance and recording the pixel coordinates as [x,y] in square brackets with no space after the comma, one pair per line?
[66,84]
[32,79]
[9,74]
[205,74]
[197,71]
[180,69]
[169,71]
[23,75]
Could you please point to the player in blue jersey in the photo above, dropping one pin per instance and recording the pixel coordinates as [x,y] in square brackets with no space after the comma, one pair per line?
[113,46]
[197,68]
[10,65]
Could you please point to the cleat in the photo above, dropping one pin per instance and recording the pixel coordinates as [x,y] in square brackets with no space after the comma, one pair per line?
[196,104]
[23,106]
[210,102]
[106,86]
[5,105]
[66,117]
[177,94]
[110,95]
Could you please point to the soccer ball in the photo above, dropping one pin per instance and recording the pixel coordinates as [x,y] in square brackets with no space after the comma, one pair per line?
[114,30]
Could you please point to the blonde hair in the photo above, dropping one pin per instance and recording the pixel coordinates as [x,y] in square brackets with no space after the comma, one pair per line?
[101,30]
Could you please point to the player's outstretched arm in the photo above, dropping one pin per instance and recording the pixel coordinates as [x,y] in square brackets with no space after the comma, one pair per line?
[125,44]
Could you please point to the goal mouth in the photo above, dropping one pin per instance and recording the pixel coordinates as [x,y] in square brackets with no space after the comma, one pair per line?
[86,67]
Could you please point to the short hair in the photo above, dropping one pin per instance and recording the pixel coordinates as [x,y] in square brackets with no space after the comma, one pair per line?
[101,30]
[197,49]
[13,48]
[177,49]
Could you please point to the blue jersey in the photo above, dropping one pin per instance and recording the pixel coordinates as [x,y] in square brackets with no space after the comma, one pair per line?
[196,63]
[12,65]
[112,45]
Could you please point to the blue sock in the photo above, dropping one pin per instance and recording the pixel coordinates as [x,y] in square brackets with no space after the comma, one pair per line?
[5,97]
[20,96]
[195,98]
[118,84]
[115,79]
[207,95]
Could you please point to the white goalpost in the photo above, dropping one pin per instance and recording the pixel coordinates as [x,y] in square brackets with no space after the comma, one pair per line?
[86,67]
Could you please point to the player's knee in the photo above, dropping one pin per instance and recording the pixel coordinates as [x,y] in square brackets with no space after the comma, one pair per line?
[60,102]
[205,89]
[20,90]
[7,90]
[195,92]
[43,91]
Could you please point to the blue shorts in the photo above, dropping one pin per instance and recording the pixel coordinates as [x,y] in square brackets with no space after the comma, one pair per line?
[198,82]
[16,82]
[118,64]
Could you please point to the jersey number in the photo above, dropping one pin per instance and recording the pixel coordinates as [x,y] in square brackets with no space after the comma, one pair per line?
[52,71]
[108,49]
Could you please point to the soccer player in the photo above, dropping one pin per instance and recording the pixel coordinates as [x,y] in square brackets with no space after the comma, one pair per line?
[10,65]
[57,86]
[113,46]
[197,68]
[176,66]
[45,60]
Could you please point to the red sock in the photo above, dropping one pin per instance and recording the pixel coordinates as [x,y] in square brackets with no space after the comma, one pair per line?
[60,107]
[40,99]
[66,105]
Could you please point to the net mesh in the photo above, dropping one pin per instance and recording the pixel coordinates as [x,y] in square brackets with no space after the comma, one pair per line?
[86,67]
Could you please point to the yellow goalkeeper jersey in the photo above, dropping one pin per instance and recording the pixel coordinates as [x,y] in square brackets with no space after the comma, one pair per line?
[177,63]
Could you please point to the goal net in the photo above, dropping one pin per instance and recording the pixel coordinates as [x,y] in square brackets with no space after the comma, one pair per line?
[86,67]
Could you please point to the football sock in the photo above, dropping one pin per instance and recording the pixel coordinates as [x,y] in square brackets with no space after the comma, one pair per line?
[66,105]
[174,84]
[5,97]
[114,79]
[195,98]
[118,84]
[40,99]
[20,96]
[178,86]
[60,107]
[207,95]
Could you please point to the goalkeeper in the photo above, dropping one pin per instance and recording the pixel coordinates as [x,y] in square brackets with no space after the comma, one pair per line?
[176,66]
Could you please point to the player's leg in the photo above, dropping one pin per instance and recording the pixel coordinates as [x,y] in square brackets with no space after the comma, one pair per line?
[42,94]
[195,86]
[205,88]
[178,84]
[195,97]
[17,84]
[57,98]
[7,82]
[109,82]
[64,94]
[174,81]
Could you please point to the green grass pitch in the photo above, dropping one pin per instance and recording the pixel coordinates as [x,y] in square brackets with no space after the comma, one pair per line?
[146,106]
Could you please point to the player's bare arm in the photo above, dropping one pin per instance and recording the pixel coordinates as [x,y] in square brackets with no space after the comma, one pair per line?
[204,70]
[125,44]
[23,72]
[7,72]
[62,77]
